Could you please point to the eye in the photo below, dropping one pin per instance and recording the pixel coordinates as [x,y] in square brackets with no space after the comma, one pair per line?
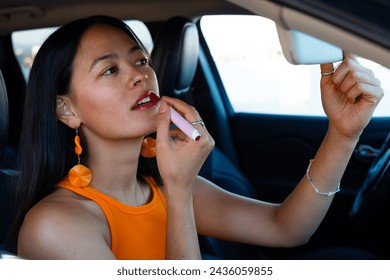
[110,71]
[142,61]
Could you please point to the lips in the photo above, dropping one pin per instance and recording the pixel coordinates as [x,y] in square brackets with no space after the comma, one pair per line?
[143,102]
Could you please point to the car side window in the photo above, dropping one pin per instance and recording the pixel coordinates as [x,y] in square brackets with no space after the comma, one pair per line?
[257,77]
[27,42]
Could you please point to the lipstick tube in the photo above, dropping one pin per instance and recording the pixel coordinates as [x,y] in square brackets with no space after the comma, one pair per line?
[178,120]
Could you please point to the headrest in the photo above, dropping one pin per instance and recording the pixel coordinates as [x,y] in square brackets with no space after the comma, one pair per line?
[3,114]
[175,56]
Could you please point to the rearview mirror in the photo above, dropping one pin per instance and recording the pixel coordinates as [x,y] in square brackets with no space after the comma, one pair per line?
[300,48]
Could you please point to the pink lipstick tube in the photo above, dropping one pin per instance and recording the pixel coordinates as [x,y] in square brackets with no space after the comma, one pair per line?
[178,120]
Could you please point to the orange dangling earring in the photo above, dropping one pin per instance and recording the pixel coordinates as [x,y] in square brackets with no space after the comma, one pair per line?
[148,149]
[80,175]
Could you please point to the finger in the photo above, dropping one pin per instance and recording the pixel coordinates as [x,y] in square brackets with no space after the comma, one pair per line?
[347,54]
[356,78]
[369,78]
[351,71]
[176,133]
[327,70]
[183,108]
[372,94]
[353,93]
[369,93]
[351,62]
[163,123]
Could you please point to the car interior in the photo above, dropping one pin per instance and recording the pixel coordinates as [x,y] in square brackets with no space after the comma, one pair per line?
[257,155]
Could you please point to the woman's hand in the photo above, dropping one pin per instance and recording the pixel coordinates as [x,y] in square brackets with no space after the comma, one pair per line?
[349,96]
[179,158]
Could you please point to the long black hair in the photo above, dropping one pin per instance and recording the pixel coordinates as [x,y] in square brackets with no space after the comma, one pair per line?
[46,150]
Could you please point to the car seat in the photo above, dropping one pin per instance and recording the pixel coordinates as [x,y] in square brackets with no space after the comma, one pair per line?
[8,176]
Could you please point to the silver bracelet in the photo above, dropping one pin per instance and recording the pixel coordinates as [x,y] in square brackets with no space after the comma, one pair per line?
[317,191]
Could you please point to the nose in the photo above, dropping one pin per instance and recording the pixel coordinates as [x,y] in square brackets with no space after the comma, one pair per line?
[139,78]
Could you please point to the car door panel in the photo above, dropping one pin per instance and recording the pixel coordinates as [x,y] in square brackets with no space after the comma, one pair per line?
[274,151]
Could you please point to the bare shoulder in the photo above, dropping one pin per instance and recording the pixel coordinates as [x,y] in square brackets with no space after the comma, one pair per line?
[64,226]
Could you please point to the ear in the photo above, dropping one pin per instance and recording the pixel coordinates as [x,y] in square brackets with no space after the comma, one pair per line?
[65,113]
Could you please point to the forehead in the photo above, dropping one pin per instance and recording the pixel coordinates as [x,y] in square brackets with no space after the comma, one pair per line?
[101,39]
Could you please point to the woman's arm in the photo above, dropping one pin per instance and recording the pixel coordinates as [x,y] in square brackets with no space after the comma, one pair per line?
[228,216]
[179,162]
[349,97]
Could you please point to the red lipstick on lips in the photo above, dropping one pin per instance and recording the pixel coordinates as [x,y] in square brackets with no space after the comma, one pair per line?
[143,102]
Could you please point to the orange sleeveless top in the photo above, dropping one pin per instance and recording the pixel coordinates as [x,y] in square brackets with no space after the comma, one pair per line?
[137,232]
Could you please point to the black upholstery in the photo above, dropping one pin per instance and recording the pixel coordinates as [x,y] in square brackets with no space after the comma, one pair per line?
[7,176]
[175,59]
[175,56]
[3,114]
[16,89]
[7,205]
[7,153]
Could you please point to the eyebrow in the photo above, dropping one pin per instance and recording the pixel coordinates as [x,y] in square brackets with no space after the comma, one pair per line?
[111,56]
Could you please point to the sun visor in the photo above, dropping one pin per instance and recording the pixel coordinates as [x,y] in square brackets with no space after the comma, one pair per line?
[301,48]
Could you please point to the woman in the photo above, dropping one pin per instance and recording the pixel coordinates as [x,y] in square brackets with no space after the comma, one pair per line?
[91,79]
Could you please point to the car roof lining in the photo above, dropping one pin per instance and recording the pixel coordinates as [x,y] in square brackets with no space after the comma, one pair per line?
[21,17]
[15,15]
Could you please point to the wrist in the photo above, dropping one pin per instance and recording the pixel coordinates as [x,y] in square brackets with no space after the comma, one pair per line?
[341,138]
[177,194]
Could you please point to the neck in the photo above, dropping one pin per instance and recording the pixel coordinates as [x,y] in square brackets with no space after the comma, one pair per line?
[114,164]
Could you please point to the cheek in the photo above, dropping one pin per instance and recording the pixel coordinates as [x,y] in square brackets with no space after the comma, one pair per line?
[102,109]
[152,78]
[104,119]
[99,107]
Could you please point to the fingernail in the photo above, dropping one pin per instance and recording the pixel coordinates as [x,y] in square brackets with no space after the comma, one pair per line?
[163,107]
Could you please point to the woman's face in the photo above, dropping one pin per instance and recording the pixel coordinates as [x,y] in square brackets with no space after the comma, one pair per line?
[111,75]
